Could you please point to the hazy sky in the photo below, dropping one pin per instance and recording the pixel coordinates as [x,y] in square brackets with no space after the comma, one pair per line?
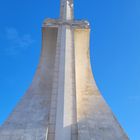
[115,52]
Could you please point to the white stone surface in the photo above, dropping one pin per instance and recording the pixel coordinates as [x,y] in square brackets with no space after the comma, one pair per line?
[94,118]
[30,117]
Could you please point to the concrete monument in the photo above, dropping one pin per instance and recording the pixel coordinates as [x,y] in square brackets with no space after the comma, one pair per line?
[63,101]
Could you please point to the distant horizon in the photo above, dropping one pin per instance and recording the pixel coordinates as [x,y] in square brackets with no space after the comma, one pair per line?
[114,52]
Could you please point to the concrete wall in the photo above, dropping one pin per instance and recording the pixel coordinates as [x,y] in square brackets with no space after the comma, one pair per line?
[29,120]
[94,118]
[63,101]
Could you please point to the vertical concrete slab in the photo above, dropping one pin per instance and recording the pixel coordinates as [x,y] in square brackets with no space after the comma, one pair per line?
[94,118]
[29,120]
[66,89]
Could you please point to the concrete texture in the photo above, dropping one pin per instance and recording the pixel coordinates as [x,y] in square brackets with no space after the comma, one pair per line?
[94,118]
[63,101]
[29,119]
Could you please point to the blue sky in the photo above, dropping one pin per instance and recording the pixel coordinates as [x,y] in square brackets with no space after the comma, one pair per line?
[115,52]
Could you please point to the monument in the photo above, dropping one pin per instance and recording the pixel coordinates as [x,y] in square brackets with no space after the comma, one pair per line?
[63,101]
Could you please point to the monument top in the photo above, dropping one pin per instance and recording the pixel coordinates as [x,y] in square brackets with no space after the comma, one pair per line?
[66,10]
[66,17]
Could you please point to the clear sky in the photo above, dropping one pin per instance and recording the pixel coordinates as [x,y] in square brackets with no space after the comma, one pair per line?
[115,52]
